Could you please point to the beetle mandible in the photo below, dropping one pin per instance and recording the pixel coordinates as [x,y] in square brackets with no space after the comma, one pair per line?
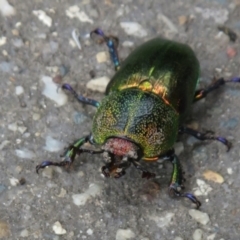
[144,109]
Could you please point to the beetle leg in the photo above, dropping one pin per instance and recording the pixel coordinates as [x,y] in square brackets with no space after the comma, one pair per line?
[111,42]
[177,180]
[115,170]
[69,154]
[202,93]
[80,98]
[208,135]
[145,174]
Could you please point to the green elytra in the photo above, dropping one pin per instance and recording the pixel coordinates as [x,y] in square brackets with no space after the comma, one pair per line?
[149,96]
[144,109]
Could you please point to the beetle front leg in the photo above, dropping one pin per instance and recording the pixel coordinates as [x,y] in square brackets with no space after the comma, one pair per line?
[145,174]
[69,154]
[209,135]
[202,93]
[176,185]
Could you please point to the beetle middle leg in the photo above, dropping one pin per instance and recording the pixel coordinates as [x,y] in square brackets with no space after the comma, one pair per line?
[202,93]
[208,135]
[176,185]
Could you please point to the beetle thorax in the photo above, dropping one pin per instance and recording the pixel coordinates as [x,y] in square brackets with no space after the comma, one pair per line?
[121,147]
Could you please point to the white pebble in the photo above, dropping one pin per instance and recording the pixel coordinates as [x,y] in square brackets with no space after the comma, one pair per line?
[13,181]
[75,36]
[98,84]
[197,235]
[82,198]
[211,237]
[24,233]
[203,188]
[134,29]
[53,145]
[25,153]
[58,229]
[43,17]
[164,220]
[4,144]
[229,171]
[171,27]
[3,40]
[6,9]
[74,12]
[53,92]
[127,44]
[102,57]
[89,231]
[13,127]
[19,90]
[199,216]
[123,234]
[22,129]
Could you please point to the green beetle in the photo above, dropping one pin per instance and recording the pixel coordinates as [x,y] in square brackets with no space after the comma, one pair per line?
[144,110]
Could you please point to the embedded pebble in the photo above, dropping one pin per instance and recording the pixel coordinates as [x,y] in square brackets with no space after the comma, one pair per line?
[164,220]
[231,123]
[89,231]
[74,12]
[75,36]
[3,40]
[182,20]
[171,27]
[102,57]
[79,117]
[82,198]
[178,147]
[127,44]
[4,144]
[53,145]
[14,182]
[98,84]
[4,230]
[19,90]
[13,127]
[25,153]
[134,29]
[6,9]
[123,234]
[62,193]
[58,229]
[18,43]
[47,172]
[2,188]
[213,176]
[24,233]
[178,238]
[22,129]
[211,237]
[53,92]
[198,234]
[6,67]
[43,17]
[229,171]
[203,188]
[199,216]
[36,116]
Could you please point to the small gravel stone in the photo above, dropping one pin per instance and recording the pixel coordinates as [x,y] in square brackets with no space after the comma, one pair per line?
[231,123]
[19,90]
[62,193]
[36,116]
[47,172]
[89,231]
[22,129]
[178,238]
[4,230]
[18,43]
[13,127]
[198,234]
[179,148]
[98,84]
[199,216]
[6,67]
[6,9]
[134,29]
[25,153]
[2,188]
[164,220]
[127,44]
[43,17]
[102,57]
[213,176]
[58,229]
[229,171]
[3,41]
[53,145]
[203,188]
[212,236]
[4,144]
[14,182]
[79,117]
[75,12]
[53,92]
[24,233]
[124,234]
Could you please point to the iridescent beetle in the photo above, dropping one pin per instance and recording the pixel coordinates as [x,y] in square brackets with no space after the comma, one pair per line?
[144,109]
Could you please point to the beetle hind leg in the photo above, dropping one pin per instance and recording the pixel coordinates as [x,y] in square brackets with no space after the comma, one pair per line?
[202,93]
[208,135]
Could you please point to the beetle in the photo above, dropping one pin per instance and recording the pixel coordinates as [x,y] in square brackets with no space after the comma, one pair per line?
[144,109]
